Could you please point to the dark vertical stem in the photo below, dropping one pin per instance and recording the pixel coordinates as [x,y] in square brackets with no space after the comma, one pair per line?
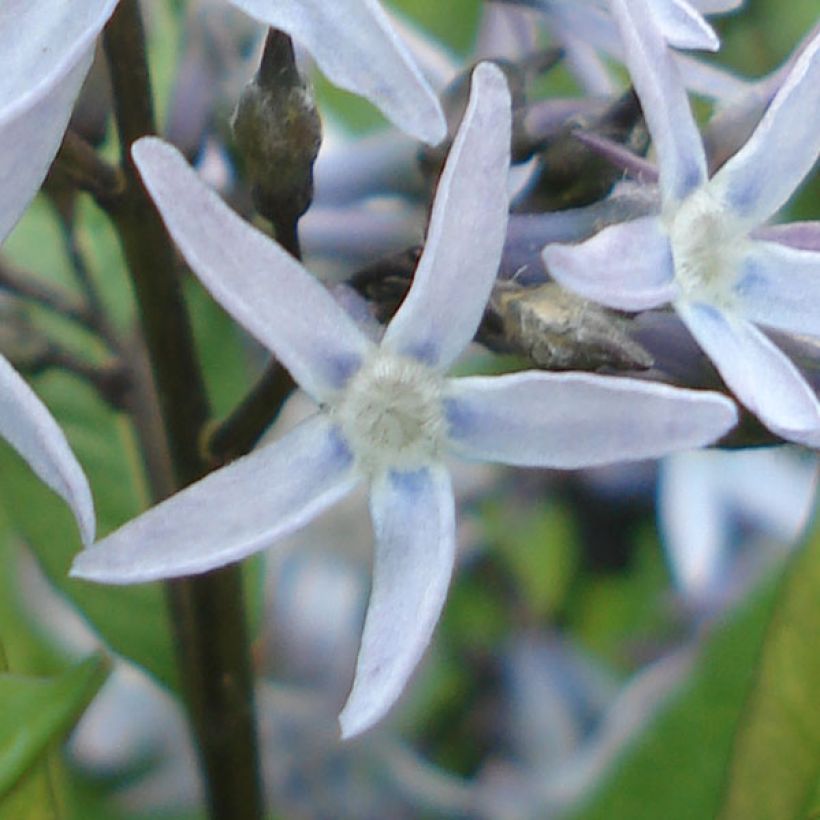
[207,610]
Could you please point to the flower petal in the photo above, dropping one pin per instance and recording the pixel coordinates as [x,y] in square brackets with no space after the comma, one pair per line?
[29,427]
[681,158]
[231,513]
[357,48]
[801,235]
[683,26]
[694,521]
[759,179]
[716,6]
[779,286]
[414,521]
[253,278]
[759,374]
[455,274]
[627,266]
[571,420]
[47,46]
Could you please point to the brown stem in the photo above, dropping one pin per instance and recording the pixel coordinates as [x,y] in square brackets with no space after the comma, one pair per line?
[207,610]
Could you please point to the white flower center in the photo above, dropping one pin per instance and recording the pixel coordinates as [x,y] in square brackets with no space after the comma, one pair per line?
[707,244]
[391,413]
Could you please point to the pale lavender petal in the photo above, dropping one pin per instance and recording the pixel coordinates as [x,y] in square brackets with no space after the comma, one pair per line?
[468,224]
[779,286]
[253,278]
[716,6]
[506,33]
[759,374]
[759,179]
[681,158]
[231,513]
[693,520]
[627,266]
[709,79]
[28,426]
[620,156]
[356,46]
[572,420]
[801,235]
[414,521]
[47,46]
[683,27]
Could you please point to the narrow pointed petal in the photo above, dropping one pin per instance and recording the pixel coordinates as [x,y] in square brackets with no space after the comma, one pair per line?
[716,6]
[262,286]
[683,26]
[231,513]
[28,426]
[800,235]
[572,420]
[779,287]
[414,521]
[627,266]
[759,374]
[759,179]
[681,158]
[452,283]
[47,46]
[693,519]
[357,48]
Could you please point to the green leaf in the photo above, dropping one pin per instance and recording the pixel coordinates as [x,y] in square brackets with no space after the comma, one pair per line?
[37,711]
[676,769]
[775,769]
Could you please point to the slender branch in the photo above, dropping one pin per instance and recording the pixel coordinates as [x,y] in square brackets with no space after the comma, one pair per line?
[32,288]
[110,380]
[243,428]
[207,610]
[88,170]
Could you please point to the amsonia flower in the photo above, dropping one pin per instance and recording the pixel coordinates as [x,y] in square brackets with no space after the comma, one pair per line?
[706,252]
[387,415]
[585,29]
[47,47]
[706,497]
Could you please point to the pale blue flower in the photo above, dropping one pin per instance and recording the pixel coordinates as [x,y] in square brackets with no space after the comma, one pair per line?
[705,253]
[587,33]
[387,415]
[704,496]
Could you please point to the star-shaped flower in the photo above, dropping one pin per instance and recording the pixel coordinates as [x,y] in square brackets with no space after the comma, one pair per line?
[585,27]
[702,253]
[47,47]
[387,415]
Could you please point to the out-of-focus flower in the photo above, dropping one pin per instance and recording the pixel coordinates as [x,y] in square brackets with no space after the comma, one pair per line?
[587,32]
[705,498]
[388,415]
[705,253]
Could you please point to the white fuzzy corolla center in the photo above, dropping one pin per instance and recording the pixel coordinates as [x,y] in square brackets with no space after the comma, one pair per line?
[391,413]
[707,244]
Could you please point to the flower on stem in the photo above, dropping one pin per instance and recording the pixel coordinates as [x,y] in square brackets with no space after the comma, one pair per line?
[387,414]
[702,252]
